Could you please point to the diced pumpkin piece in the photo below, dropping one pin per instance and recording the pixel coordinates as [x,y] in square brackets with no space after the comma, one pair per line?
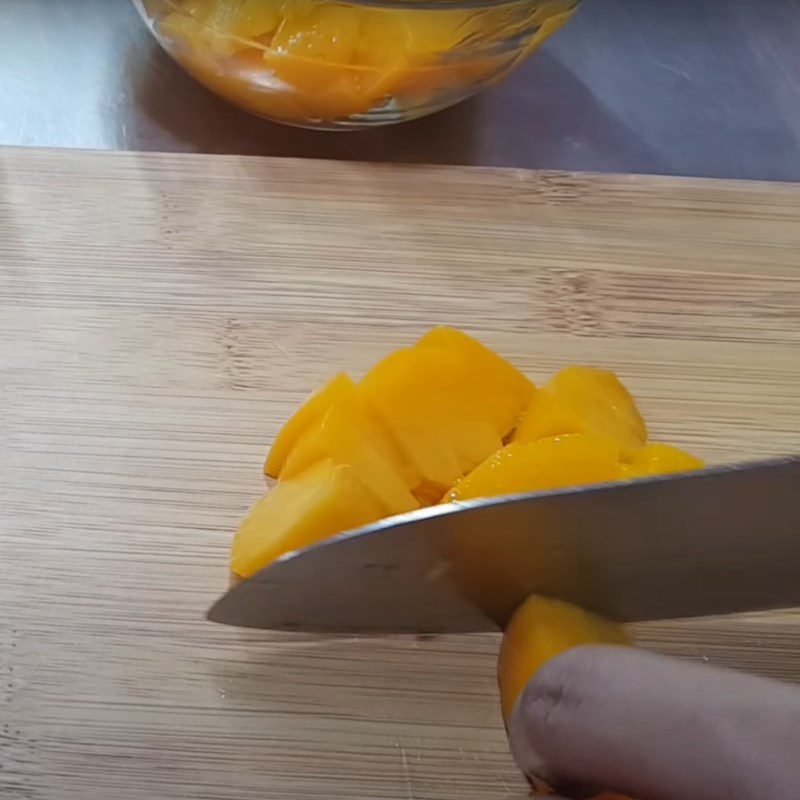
[540,630]
[244,82]
[326,90]
[347,435]
[584,400]
[313,410]
[321,502]
[391,35]
[660,459]
[207,25]
[255,18]
[558,462]
[325,32]
[383,40]
[514,391]
[443,415]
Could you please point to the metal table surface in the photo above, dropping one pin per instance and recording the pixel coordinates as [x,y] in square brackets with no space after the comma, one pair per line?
[693,87]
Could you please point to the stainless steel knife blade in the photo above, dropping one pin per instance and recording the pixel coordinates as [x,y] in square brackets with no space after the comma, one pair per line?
[722,540]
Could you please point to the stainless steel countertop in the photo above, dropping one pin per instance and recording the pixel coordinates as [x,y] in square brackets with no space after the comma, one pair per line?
[691,87]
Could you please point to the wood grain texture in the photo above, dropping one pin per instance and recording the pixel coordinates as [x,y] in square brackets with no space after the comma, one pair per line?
[161,315]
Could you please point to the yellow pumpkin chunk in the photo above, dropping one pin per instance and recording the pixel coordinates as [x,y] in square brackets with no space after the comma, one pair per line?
[660,459]
[513,390]
[554,463]
[314,409]
[321,502]
[347,435]
[445,419]
[540,630]
[584,400]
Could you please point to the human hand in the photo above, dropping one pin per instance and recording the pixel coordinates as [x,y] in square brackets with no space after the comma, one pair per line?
[645,726]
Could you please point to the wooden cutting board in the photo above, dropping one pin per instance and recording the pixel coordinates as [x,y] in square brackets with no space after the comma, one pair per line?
[161,315]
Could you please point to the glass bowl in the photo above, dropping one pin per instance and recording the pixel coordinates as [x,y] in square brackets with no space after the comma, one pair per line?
[348,65]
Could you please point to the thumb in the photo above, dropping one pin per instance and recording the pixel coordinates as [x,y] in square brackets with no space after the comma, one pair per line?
[654,728]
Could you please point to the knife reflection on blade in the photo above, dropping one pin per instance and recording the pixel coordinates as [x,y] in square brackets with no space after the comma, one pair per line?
[726,539]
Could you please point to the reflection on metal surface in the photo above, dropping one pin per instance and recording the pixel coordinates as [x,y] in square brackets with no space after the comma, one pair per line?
[722,540]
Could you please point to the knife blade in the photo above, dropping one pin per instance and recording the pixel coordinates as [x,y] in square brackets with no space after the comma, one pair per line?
[722,540]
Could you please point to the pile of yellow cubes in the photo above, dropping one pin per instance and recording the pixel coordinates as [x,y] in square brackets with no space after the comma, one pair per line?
[446,420]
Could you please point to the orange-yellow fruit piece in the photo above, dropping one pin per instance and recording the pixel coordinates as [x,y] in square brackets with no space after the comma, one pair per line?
[660,459]
[558,462]
[514,391]
[325,90]
[314,409]
[412,47]
[540,630]
[255,18]
[206,26]
[444,416]
[312,55]
[391,36]
[323,31]
[347,435]
[383,41]
[584,400]
[245,81]
[319,503]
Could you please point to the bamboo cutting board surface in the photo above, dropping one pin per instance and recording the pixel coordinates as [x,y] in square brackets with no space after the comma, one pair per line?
[161,315]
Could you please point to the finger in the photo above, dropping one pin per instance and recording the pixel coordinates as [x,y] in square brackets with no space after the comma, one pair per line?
[655,728]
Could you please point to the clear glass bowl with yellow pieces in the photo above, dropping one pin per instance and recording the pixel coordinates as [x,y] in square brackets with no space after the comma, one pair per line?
[357,64]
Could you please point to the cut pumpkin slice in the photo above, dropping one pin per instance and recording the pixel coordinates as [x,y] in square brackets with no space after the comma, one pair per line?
[584,400]
[347,435]
[444,414]
[555,463]
[255,18]
[513,390]
[660,459]
[313,410]
[321,502]
[540,630]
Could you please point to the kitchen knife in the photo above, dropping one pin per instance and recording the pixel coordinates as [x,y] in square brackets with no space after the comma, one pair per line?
[725,539]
